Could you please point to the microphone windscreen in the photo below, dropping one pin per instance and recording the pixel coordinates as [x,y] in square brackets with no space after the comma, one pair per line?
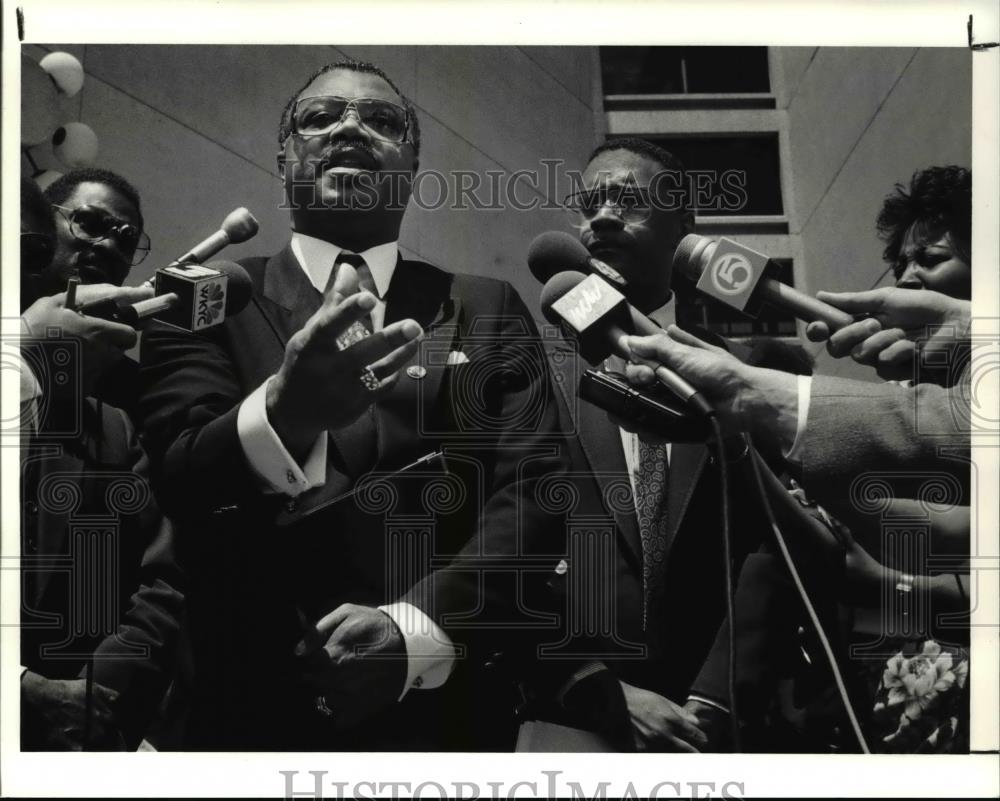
[240,225]
[553,252]
[557,286]
[240,286]
[688,255]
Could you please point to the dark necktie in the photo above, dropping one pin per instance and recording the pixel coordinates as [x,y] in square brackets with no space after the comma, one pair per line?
[364,282]
[360,438]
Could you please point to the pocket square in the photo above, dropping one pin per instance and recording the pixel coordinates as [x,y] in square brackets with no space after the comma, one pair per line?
[456,357]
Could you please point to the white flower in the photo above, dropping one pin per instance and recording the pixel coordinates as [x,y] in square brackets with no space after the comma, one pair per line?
[917,681]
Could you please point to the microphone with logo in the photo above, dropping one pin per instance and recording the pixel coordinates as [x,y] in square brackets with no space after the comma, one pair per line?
[192,297]
[599,317]
[743,279]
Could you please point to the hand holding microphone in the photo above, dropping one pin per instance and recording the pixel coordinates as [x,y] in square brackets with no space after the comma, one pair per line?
[190,295]
[751,399]
[600,318]
[102,342]
[896,320]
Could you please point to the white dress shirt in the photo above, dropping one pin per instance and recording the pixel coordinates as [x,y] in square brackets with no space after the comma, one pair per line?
[430,652]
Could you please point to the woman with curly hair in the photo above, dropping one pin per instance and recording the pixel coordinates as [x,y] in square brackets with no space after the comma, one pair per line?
[927,228]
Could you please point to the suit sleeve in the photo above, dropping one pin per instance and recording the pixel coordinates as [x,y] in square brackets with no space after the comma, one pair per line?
[856,427]
[189,409]
[151,619]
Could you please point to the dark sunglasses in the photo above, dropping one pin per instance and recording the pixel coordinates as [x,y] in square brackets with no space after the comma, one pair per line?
[316,116]
[630,202]
[90,224]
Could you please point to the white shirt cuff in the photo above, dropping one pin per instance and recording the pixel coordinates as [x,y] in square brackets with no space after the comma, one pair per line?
[265,452]
[430,653]
[708,702]
[805,395]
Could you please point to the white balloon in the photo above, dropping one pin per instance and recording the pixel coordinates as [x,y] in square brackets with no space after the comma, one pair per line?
[65,70]
[75,144]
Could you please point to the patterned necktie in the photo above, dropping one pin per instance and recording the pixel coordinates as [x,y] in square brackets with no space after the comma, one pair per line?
[651,491]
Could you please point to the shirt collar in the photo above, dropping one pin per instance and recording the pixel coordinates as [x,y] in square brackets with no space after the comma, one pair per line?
[316,257]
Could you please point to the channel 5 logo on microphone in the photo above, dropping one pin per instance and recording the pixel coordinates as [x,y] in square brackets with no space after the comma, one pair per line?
[731,273]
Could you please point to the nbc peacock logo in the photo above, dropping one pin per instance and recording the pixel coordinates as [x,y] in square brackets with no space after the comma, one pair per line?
[211,304]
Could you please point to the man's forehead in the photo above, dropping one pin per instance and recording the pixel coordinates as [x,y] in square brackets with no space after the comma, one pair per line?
[350,83]
[107,198]
[620,167]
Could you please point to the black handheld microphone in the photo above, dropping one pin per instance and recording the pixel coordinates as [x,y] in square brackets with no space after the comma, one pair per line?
[600,318]
[188,296]
[556,251]
[742,278]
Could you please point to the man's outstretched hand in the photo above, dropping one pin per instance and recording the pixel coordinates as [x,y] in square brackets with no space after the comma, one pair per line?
[318,386]
[898,322]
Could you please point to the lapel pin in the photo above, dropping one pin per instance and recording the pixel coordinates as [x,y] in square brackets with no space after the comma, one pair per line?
[416,371]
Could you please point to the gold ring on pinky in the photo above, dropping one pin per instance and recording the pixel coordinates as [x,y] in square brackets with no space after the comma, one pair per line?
[369,380]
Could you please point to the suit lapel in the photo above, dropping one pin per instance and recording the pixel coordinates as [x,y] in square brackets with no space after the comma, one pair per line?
[687,461]
[602,444]
[425,295]
[288,297]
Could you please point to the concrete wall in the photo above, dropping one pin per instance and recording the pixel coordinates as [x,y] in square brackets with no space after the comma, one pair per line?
[195,129]
[858,121]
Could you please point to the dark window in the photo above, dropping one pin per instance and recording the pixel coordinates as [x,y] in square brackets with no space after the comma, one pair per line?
[693,308]
[684,70]
[730,174]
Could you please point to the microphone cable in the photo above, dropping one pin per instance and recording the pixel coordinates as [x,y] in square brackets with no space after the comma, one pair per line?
[810,610]
[727,551]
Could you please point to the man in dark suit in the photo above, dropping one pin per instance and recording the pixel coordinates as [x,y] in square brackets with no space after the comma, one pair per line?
[342,596]
[662,573]
[101,592]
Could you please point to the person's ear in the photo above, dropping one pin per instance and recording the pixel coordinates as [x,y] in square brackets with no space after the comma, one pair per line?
[280,159]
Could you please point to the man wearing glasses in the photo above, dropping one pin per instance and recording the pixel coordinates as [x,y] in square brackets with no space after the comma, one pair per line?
[98,239]
[99,235]
[667,567]
[100,590]
[332,612]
